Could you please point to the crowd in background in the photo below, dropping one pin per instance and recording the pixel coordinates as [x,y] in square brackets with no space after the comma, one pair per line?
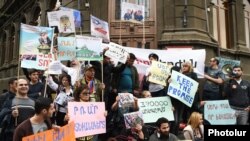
[24,111]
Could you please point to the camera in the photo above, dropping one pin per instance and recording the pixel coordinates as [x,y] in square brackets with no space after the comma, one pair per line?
[233,74]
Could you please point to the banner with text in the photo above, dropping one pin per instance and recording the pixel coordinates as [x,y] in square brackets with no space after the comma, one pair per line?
[89,118]
[88,48]
[65,133]
[66,48]
[159,73]
[40,62]
[177,57]
[182,88]
[154,108]
[219,112]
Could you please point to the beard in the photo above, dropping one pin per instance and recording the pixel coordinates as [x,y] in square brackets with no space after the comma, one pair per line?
[237,76]
[164,135]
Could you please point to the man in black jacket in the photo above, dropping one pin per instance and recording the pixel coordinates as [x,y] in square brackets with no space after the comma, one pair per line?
[238,94]
[10,94]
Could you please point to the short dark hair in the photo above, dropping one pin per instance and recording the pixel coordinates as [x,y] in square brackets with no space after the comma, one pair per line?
[238,67]
[42,103]
[217,61]
[12,80]
[33,71]
[132,56]
[155,56]
[160,121]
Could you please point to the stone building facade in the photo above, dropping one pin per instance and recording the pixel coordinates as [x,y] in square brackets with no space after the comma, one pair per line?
[222,27]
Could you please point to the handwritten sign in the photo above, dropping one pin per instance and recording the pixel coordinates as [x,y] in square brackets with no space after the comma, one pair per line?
[88,117]
[55,68]
[154,108]
[66,48]
[132,119]
[219,112]
[159,73]
[126,100]
[182,88]
[65,133]
[117,52]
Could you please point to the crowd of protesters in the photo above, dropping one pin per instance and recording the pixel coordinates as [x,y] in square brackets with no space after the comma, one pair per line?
[24,112]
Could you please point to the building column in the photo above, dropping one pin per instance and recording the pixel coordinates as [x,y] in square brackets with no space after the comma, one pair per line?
[237,30]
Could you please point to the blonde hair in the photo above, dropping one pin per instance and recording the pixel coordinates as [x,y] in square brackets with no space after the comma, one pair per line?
[145,92]
[194,119]
[189,66]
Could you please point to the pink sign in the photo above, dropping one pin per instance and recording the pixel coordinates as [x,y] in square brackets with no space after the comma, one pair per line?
[89,118]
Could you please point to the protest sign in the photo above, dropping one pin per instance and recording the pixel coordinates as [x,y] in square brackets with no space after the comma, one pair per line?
[89,118]
[64,20]
[99,28]
[132,119]
[132,12]
[65,133]
[219,112]
[159,73]
[126,100]
[41,62]
[182,88]
[55,68]
[53,18]
[117,52]
[35,39]
[154,108]
[66,48]
[76,13]
[88,48]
